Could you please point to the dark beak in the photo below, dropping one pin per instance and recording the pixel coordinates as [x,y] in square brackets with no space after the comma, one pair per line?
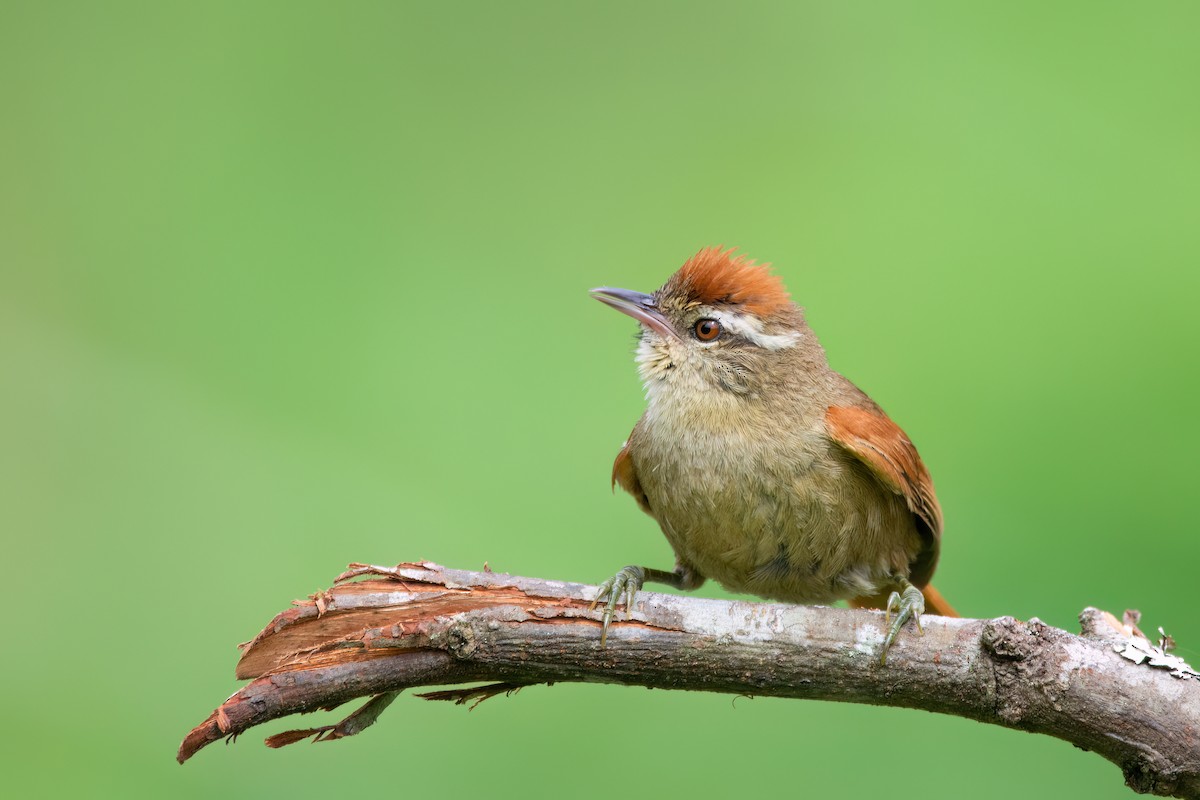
[637,305]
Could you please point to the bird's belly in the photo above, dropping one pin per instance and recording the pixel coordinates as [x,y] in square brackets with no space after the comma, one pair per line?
[820,530]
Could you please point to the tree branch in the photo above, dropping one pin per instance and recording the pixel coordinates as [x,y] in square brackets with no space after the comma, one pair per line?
[380,630]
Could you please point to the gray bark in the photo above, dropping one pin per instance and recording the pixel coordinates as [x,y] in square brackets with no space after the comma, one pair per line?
[420,624]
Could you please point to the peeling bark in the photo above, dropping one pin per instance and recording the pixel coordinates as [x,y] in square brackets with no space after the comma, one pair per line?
[380,630]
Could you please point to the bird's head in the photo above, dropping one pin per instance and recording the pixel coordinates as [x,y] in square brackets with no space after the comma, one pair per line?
[721,323]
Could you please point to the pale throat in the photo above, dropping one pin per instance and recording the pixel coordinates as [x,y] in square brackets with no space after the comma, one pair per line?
[682,397]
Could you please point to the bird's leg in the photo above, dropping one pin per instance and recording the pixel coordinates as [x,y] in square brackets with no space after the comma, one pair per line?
[906,604]
[629,580]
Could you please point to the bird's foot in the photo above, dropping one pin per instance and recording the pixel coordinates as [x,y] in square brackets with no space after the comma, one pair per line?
[626,583]
[906,605]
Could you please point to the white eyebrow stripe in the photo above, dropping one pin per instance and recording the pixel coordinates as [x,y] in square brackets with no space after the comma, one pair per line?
[751,328]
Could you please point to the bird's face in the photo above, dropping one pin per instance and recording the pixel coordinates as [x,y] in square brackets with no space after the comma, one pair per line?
[719,324]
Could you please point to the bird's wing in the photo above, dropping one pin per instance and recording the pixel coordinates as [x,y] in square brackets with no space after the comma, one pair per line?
[624,474]
[883,447]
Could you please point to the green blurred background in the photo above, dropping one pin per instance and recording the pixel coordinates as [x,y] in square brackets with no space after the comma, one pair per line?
[284,286]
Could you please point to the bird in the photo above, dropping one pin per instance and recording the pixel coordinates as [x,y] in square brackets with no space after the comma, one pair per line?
[767,471]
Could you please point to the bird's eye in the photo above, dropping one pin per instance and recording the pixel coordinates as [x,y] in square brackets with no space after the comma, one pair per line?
[707,329]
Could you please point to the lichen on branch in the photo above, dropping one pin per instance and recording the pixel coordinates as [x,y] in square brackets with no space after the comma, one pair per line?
[380,630]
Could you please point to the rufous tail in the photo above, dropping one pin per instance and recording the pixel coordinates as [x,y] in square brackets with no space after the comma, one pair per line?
[934,602]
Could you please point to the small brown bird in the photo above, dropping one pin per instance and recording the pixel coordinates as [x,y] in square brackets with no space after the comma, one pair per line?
[766,470]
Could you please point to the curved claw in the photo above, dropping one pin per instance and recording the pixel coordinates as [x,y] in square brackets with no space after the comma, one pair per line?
[628,581]
[907,605]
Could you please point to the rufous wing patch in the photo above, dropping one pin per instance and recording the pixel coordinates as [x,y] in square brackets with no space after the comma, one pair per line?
[625,476]
[716,276]
[880,444]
